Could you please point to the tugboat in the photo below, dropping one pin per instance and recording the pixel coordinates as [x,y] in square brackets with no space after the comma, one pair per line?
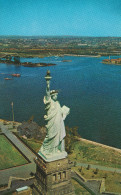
[16,75]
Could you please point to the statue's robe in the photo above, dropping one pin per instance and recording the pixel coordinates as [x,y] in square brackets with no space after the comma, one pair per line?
[54,126]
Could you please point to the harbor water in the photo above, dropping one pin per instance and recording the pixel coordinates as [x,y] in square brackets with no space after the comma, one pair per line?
[90,89]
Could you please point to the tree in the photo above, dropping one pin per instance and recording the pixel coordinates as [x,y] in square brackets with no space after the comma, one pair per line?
[71,134]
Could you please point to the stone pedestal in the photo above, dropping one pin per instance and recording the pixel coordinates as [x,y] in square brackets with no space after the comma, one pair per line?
[53,178]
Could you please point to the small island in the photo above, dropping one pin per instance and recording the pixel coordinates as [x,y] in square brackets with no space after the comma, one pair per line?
[16,61]
[112,61]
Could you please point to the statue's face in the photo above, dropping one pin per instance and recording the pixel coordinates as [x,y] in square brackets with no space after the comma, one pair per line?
[55,96]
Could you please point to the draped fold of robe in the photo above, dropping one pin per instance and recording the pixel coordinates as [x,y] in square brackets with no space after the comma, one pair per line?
[55,128]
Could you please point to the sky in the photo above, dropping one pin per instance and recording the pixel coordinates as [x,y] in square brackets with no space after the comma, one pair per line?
[60,17]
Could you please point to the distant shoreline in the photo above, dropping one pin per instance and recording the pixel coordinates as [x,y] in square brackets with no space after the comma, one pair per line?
[98,56]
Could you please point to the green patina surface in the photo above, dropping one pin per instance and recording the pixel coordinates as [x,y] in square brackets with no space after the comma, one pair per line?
[9,155]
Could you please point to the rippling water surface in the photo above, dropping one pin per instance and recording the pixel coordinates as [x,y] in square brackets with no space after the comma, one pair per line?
[91,89]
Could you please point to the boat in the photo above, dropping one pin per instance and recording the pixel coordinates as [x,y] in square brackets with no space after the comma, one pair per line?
[66,60]
[16,75]
[8,78]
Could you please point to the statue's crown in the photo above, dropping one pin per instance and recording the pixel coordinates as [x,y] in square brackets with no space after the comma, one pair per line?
[53,92]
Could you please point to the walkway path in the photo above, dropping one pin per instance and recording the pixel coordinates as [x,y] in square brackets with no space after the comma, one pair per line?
[20,171]
[18,143]
[93,189]
[100,167]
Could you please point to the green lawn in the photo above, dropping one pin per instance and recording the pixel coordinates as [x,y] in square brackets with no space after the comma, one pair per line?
[9,155]
[94,154]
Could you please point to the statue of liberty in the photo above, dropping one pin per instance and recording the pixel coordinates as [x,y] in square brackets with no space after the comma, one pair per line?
[53,147]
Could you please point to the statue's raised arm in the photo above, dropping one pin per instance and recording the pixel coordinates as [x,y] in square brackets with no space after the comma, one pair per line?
[48,77]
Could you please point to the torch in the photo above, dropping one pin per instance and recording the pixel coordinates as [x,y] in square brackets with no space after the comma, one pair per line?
[47,78]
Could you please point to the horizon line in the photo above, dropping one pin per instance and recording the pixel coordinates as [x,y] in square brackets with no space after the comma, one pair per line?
[57,36]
